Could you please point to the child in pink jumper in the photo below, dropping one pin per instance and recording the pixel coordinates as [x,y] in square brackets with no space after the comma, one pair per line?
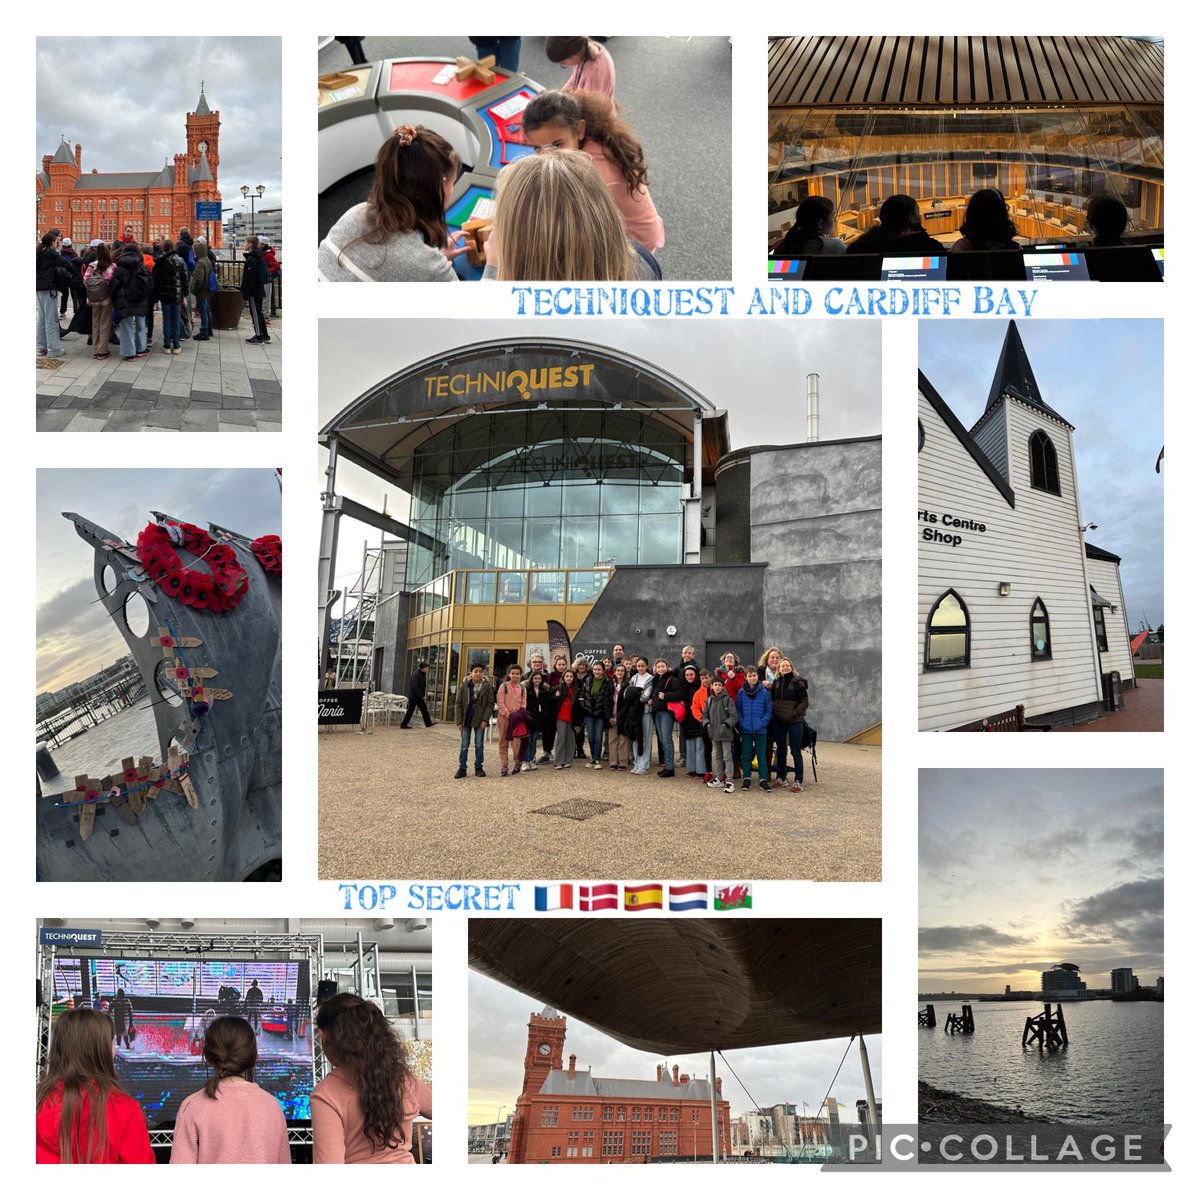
[593,67]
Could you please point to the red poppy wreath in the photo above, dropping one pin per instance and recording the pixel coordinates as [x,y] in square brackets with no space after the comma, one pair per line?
[268,549]
[218,589]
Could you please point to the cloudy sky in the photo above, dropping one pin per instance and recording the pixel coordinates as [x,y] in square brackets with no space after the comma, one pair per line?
[75,637]
[128,116]
[753,369]
[497,1021]
[1020,870]
[1106,378]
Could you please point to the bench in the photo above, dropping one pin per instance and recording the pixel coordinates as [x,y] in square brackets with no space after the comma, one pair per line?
[1010,721]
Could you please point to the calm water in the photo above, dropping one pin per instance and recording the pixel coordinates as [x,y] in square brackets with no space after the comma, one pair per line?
[98,752]
[1111,1071]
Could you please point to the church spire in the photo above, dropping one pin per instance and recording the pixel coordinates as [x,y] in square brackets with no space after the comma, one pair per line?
[1014,376]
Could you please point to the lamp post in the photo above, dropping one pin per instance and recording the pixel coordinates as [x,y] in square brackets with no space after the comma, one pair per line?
[496,1137]
[256,194]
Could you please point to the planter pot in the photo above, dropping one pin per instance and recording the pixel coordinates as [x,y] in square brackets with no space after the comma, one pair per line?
[227,309]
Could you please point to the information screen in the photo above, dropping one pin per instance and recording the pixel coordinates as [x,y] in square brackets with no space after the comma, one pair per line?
[160,1033]
[793,268]
[1058,264]
[901,269]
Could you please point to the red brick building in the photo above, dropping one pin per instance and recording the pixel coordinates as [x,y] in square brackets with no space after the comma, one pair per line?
[572,1116]
[157,203]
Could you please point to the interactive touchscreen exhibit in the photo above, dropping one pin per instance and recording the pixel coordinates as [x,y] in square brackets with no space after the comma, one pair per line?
[159,1054]
[358,110]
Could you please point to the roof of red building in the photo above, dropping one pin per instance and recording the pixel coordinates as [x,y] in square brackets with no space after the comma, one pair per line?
[560,1083]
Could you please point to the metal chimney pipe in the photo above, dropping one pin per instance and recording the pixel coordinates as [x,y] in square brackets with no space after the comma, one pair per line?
[812,386]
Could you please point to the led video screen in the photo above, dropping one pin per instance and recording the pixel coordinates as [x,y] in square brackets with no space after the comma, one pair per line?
[160,1031]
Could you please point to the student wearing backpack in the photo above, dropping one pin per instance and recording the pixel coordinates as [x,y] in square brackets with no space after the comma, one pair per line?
[201,287]
[254,285]
[96,277]
[170,289]
[132,291]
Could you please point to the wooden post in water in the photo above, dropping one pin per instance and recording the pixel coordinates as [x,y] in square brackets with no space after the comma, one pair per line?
[926,1018]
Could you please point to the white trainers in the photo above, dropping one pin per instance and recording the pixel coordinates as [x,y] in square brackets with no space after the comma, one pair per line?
[525,766]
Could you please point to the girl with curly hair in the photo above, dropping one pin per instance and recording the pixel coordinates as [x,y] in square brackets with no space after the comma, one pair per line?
[363,1110]
[590,122]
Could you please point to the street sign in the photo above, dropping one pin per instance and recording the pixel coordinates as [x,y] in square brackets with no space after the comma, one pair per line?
[208,210]
[69,937]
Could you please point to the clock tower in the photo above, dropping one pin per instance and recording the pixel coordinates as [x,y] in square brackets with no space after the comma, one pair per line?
[543,1054]
[544,1049]
[203,133]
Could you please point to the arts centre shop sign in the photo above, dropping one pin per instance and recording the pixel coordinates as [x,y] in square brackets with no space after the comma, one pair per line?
[947,528]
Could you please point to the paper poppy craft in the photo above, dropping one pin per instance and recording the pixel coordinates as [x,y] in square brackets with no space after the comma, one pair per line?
[218,588]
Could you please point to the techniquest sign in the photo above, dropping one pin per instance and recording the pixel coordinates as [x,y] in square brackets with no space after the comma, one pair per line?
[934,527]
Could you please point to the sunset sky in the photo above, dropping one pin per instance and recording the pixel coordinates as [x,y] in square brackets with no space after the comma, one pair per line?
[1022,869]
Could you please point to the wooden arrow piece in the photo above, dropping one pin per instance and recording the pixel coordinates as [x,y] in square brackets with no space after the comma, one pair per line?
[481,69]
[87,818]
[177,761]
[137,800]
[168,643]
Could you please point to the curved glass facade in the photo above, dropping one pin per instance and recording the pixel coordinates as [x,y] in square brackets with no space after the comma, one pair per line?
[549,486]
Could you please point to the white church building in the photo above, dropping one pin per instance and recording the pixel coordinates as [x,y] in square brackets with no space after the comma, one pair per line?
[1015,606]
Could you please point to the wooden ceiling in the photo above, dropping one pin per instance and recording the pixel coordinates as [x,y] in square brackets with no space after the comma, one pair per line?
[683,986]
[949,71]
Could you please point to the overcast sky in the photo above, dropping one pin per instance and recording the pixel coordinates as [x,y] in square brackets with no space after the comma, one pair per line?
[497,1021]
[1020,870]
[126,100]
[753,369]
[1106,378]
[75,637]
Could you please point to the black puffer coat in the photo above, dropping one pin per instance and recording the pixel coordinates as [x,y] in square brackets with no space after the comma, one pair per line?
[131,286]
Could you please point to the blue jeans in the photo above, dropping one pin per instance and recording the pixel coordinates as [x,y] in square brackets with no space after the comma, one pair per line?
[506,49]
[204,308]
[664,721]
[465,744]
[133,336]
[785,736]
[595,735]
[695,755]
[170,326]
[47,323]
[752,744]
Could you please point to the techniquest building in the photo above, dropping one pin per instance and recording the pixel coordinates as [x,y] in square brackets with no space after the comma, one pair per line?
[557,480]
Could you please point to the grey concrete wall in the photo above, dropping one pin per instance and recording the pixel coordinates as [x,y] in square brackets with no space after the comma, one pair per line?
[391,636]
[733,510]
[816,520]
[705,601]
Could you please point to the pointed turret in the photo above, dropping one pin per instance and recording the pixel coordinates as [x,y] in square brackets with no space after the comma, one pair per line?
[1014,376]
[63,154]
[203,174]
[202,109]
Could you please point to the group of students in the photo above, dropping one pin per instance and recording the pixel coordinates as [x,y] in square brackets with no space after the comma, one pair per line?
[987,225]
[619,710]
[116,288]
[576,209]
[362,1111]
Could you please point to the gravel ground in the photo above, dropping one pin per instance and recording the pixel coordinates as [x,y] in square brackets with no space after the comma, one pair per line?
[424,824]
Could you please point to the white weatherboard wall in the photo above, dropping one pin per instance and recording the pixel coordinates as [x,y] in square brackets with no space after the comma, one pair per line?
[1106,579]
[1035,547]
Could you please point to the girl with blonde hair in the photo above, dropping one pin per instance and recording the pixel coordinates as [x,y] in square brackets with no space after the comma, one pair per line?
[555,220]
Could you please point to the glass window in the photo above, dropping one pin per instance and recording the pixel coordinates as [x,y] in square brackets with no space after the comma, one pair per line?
[480,587]
[948,634]
[507,502]
[584,586]
[543,540]
[1101,632]
[660,538]
[580,541]
[547,587]
[405,1001]
[581,498]
[511,587]
[1043,464]
[545,501]
[618,539]
[1039,631]
[617,499]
